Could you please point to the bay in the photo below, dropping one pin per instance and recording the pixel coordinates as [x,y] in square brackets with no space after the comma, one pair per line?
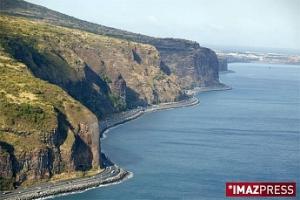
[249,133]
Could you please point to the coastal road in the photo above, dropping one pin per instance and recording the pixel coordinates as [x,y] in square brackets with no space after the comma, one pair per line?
[20,193]
[106,176]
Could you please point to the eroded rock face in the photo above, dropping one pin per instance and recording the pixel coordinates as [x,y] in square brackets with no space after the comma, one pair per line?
[34,165]
[119,87]
[131,70]
[223,64]
[85,154]
[89,66]
[195,65]
[16,168]
[6,168]
[43,131]
[54,154]
[101,74]
[54,157]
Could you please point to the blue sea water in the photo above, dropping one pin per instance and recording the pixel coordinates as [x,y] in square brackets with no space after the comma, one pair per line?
[249,133]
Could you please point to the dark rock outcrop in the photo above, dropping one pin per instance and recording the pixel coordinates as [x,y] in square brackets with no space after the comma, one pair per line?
[119,87]
[7,170]
[223,64]
[194,65]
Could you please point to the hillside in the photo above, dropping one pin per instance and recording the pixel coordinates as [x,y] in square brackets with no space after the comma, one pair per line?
[114,74]
[43,131]
[194,65]
[60,75]
[46,132]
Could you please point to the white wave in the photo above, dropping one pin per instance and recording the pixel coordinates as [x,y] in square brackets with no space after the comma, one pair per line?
[104,135]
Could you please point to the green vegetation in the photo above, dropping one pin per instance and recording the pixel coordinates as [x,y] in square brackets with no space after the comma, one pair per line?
[44,68]
[6,184]
[117,102]
[23,111]
[105,78]
[50,53]
[24,107]
[159,76]
[30,111]
[28,104]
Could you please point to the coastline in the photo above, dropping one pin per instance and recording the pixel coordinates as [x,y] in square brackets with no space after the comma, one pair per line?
[226,71]
[50,190]
[123,117]
[197,90]
[112,174]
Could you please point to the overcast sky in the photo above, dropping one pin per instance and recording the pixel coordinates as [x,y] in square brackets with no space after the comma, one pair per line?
[253,23]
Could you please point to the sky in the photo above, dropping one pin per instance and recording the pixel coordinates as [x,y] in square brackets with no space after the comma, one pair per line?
[247,23]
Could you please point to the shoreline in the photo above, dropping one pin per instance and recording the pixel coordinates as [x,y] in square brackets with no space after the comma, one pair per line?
[197,90]
[112,174]
[123,117]
[226,71]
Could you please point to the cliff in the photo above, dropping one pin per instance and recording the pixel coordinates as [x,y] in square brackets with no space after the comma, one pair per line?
[194,65]
[56,82]
[60,75]
[43,131]
[223,64]
[114,74]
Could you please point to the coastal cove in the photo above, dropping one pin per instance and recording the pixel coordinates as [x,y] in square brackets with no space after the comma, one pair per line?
[93,109]
[250,133]
[112,173]
[122,100]
[212,131]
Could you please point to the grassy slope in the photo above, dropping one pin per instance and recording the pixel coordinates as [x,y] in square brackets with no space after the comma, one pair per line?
[61,55]
[29,110]
[192,70]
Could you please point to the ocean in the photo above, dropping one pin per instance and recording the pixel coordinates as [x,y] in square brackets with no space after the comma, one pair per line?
[249,133]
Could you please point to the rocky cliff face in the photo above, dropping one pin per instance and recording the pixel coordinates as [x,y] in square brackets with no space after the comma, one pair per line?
[57,81]
[43,131]
[223,64]
[6,168]
[113,73]
[182,56]
[194,65]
